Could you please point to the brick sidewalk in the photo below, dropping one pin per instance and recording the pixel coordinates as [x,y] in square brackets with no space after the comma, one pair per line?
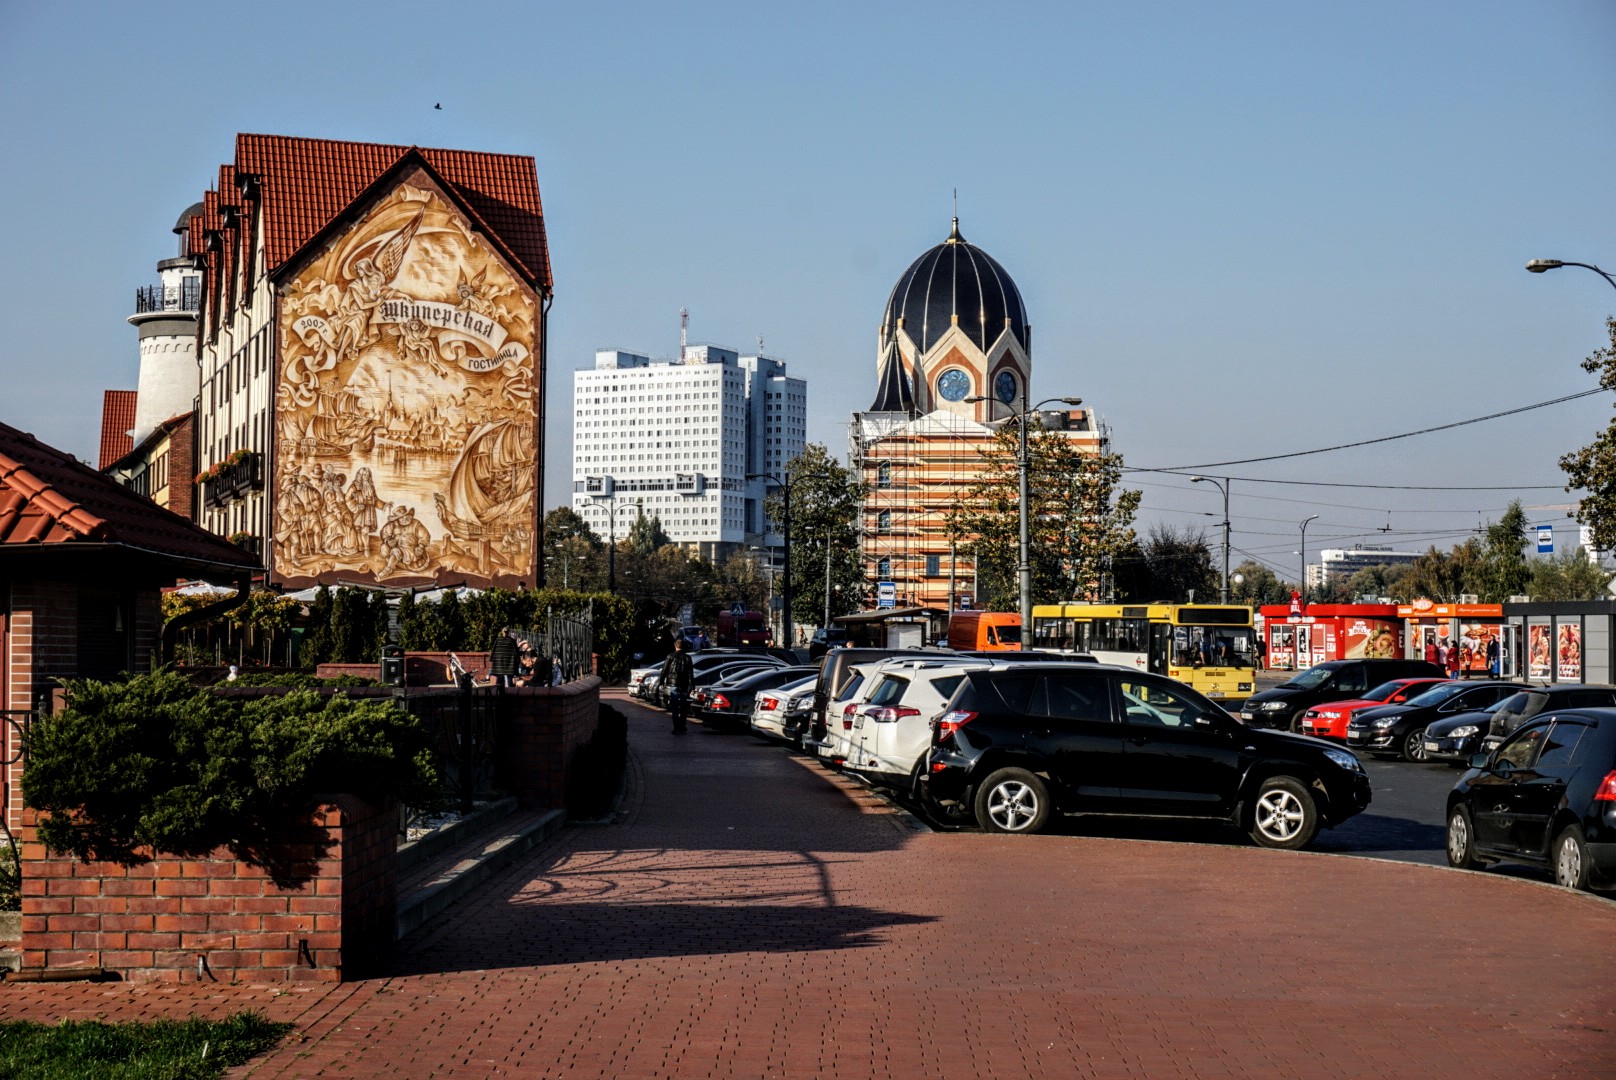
[752,916]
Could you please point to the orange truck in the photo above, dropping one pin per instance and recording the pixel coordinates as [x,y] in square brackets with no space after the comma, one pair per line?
[984,631]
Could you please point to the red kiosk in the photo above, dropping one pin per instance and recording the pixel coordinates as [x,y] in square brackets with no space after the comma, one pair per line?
[1298,639]
[1477,631]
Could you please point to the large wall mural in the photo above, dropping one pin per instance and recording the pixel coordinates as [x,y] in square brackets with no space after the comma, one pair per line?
[405,425]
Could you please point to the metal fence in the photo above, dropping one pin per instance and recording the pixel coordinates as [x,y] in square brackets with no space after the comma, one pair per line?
[463,725]
[571,638]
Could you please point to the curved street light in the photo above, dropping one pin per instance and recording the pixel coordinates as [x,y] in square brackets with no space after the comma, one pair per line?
[1024,569]
[1539,266]
[1223,486]
[1315,517]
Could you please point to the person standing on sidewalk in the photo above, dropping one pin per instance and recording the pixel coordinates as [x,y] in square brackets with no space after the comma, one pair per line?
[502,657]
[678,672]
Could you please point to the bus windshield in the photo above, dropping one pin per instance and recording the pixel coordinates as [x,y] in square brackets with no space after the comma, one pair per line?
[1214,646]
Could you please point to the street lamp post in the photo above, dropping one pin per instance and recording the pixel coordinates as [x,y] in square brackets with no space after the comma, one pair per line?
[611,541]
[1223,486]
[1538,266]
[785,577]
[1315,517]
[1023,497]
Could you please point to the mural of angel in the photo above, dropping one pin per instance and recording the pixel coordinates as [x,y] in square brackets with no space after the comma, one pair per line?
[472,294]
[370,286]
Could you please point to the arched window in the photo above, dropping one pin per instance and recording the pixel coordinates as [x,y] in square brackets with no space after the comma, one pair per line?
[883,521]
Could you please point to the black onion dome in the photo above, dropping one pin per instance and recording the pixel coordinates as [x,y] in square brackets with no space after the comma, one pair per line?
[184,223]
[956,278]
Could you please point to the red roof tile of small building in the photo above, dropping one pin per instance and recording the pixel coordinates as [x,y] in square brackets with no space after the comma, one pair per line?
[117,419]
[304,184]
[48,497]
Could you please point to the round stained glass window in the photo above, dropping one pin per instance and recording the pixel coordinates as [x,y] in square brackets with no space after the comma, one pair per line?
[1005,387]
[953,385]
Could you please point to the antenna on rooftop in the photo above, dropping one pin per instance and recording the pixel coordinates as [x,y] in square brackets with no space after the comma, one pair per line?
[684,332]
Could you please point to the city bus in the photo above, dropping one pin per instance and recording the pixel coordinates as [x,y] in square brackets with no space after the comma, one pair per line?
[1211,647]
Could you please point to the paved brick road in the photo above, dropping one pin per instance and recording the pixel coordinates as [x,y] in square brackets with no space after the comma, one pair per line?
[751,917]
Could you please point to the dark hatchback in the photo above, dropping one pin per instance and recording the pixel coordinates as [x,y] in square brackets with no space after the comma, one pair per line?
[1457,739]
[1399,730]
[1016,745]
[1546,797]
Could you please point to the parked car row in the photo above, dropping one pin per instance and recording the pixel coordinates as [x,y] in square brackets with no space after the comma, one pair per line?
[1010,741]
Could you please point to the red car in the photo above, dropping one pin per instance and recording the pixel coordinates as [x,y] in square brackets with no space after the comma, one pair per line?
[1329,721]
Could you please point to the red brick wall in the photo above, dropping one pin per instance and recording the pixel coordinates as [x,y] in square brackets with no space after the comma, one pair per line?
[156,921]
[542,728]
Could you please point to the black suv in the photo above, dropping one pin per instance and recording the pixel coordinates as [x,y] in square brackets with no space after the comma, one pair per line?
[1547,798]
[1015,745]
[1335,680]
[1518,710]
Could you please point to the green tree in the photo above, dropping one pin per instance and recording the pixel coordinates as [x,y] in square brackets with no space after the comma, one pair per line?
[825,497]
[317,639]
[573,554]
[1079,520]
[1570,575]
[1170,566]
[1592,469]
[1258,585]
[1503,572]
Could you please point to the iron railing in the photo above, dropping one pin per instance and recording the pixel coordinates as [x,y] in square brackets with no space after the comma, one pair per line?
[186,296]
[463,725]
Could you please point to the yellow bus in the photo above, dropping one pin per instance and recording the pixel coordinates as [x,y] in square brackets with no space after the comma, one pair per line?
[1211,647]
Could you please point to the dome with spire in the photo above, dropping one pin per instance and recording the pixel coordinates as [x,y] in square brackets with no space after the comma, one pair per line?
[956,281]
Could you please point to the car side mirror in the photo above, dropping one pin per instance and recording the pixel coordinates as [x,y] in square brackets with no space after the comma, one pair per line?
[1479,761]
[1206,722]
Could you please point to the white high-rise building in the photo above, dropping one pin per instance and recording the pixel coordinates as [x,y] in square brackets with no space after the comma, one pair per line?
[679,438]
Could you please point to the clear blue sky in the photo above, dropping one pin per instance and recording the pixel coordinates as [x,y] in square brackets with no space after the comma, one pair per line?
[1240,229]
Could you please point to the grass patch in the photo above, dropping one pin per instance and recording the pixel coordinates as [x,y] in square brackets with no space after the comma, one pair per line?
[163,1050]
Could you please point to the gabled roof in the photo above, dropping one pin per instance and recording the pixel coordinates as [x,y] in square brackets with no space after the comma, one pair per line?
[306,184]
[117,418]
[49,499]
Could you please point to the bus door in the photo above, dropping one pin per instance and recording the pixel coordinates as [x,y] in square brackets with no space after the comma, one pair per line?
[1161,647]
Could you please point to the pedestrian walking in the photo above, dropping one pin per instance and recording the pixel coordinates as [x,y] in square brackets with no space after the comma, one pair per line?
[678,673]
[502,657]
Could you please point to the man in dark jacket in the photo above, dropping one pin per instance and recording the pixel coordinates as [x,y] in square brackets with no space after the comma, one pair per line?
[677,674]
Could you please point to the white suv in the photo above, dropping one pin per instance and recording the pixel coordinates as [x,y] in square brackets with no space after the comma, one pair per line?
[891,728]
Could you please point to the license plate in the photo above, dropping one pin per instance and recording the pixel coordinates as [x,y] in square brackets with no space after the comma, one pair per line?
[1246,715]
[1214,693]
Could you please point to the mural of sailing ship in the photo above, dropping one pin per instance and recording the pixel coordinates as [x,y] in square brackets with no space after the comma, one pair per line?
[490,496]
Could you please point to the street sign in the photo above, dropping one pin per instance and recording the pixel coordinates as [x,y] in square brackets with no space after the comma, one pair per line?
[886,594]
[1545,539]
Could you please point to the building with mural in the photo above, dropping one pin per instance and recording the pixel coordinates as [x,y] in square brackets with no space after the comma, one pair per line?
[953,364]
[371,351]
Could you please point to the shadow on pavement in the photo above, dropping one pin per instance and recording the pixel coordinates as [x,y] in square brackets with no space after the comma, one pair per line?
[529,933]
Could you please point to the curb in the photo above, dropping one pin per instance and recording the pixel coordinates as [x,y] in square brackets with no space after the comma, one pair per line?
[502,849]
[439,839]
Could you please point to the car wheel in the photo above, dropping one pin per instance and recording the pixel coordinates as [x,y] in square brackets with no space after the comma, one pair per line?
[1462,841]
[1571,859]
[1296,722]
[1012,801]
[1414,745]
[1284,815]
[913,790]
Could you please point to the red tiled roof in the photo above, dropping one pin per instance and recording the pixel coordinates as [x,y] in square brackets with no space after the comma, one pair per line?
[47,497]
[305,184]
[117,418]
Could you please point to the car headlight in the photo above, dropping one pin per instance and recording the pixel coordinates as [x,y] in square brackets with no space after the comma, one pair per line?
[1272,706]
[1384,723]
[1347,761]
[1327,714]
[1463,731]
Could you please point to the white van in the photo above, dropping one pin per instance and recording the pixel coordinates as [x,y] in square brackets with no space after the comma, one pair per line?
[891,730]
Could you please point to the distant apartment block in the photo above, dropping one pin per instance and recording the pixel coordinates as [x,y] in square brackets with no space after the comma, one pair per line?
[1337,563]
[678,439]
